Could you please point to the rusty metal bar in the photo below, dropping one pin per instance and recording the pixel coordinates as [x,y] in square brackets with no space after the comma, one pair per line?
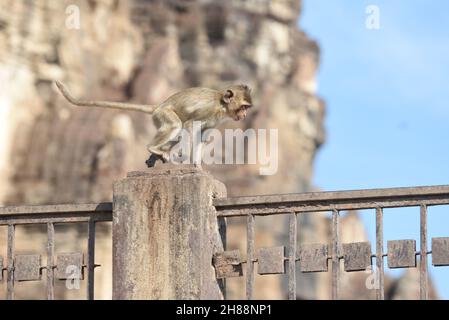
[59,218]
[10,257]
[90,260]
[379,255]
[335,255]
[292,257]
[50,261]
[286,207]
[336,196]
[55,214]
[57,209]
[423,278]
[250,257]
[328,201]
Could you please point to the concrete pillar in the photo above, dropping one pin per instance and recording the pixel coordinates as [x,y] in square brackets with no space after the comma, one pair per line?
[165,233]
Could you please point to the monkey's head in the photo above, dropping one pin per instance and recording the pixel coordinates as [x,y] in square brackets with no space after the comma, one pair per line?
[237,100]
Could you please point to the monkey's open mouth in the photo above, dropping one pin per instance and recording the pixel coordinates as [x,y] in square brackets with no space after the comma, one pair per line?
[239,117]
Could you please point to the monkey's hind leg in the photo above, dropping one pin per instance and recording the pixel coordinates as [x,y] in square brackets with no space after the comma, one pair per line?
[169,126]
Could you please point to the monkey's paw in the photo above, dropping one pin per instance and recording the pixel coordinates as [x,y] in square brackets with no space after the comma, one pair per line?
[152,160]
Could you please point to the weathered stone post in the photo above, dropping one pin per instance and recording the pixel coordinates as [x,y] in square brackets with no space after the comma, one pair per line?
[165,233]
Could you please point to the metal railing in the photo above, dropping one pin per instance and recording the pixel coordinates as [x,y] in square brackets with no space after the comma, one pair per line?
[310,257]
[314,257]
[28,267]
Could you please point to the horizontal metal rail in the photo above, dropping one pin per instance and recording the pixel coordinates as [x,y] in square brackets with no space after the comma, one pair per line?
[330,201]
[57,208]
[64,213]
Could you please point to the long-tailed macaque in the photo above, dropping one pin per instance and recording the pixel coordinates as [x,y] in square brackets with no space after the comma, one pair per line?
[179,111]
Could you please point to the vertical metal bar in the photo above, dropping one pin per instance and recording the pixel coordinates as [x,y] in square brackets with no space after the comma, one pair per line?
[423,268]
[379,254]
[50,261]
[90,260]
[10,257]
[292,258]
[222,228]
[249,257]
[335,255]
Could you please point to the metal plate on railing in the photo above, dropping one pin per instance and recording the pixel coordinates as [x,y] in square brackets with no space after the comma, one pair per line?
[440,251]
[357,256]
[313,257]
[228,264]
[270,260]
[401,253]
[70,266]
[27,267]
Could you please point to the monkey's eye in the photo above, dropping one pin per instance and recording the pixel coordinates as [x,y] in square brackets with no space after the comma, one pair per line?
[245,106]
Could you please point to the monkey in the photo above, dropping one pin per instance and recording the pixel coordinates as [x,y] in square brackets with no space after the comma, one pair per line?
[179,111]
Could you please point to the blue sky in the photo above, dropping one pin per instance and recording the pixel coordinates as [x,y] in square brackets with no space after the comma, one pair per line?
[387,95]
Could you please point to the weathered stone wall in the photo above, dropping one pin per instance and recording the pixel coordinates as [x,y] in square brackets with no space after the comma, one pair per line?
[52,152]
[143,51]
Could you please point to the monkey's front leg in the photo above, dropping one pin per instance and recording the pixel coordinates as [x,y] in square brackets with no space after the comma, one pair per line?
[194,128]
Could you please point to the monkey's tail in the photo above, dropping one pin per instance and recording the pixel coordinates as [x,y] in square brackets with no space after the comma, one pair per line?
[104,104]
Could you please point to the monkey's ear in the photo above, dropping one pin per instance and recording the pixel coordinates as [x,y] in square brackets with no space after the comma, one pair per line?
[227,96]
[246,88]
